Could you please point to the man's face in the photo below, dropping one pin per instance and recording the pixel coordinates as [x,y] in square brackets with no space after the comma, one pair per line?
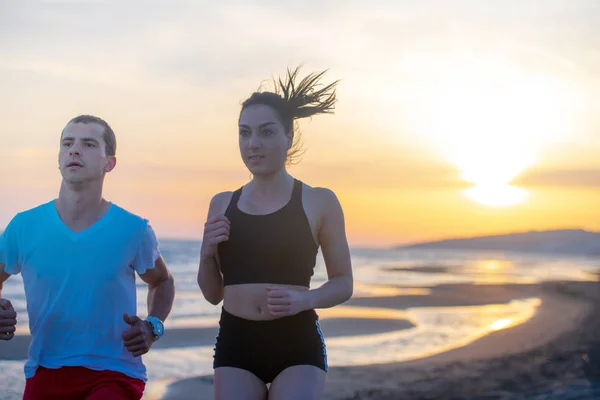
[82,155]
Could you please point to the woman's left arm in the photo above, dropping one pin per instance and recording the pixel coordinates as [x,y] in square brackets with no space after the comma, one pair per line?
[336,253]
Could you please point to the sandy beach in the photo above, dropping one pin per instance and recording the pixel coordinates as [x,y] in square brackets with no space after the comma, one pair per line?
[405,334]
[478,366]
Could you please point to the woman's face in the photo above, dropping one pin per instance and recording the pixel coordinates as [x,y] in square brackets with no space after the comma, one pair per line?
[263,141]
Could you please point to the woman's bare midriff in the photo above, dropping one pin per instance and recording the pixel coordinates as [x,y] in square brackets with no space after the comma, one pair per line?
[249,300]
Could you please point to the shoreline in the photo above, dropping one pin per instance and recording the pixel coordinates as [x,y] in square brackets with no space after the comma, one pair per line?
[558,314]
[358,316]
[478,364]
[501,365]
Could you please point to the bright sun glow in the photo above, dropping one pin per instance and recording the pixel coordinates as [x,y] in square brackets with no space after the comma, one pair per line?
[489,120]
[496,194]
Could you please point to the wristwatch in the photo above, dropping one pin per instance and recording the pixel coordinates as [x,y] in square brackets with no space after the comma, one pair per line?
[158,328]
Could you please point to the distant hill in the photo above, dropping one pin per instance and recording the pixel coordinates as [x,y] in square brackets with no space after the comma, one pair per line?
[566,241]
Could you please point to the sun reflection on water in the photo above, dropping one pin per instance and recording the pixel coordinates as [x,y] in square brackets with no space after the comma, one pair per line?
[372,290]
[437,329]
[502,324]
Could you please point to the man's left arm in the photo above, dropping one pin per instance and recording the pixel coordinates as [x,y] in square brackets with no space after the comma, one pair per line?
[161,289]
[141,334]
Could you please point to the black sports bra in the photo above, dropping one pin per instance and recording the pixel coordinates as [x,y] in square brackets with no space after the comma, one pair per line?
[276,248]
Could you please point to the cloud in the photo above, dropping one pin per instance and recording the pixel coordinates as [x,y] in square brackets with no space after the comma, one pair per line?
[560,178]
[387,174]
[198,44]
[217,46]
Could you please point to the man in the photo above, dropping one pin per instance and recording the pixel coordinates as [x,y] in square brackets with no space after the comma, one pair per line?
[78,255]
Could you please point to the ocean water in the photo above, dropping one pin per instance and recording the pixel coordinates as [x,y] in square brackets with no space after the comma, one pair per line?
[377,272]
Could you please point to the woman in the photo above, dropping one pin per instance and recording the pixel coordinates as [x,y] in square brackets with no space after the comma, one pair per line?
[259,251]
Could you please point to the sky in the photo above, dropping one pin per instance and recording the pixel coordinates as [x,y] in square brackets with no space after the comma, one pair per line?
[454,118]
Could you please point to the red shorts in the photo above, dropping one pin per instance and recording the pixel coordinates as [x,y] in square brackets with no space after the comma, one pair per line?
[78,383]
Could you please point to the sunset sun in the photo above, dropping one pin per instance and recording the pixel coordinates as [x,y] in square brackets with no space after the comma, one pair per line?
[490,121]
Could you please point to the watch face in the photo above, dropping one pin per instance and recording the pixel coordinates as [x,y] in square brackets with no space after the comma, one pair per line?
[160,328]
[157,326]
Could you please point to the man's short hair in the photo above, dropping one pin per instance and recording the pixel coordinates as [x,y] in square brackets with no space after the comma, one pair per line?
[110,140]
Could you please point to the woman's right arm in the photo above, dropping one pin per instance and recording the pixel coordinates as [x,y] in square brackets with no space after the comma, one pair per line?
[216,230]
[210,279]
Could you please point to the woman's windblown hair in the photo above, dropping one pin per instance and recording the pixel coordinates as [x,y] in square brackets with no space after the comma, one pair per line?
[293,101]
[306,98]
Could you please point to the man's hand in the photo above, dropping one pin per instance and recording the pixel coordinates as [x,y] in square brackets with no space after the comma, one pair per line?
[8,320]
[283,302]
[138,338]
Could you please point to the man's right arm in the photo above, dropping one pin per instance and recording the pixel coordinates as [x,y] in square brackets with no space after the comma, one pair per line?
[8,261]
[8,316]
[3,277]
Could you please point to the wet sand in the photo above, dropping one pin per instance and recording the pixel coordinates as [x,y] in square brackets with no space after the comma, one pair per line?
[562,310]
